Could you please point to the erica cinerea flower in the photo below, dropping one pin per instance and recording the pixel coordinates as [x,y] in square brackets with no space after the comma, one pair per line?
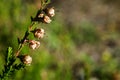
[41,15]
[26,59]
[46,19]
[34,44]
[51,12]
[39,33]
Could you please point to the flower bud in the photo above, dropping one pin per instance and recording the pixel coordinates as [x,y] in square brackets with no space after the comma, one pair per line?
[47,19]
[34,44]
[51,12]
[41,15]
[39,33]
[27,59]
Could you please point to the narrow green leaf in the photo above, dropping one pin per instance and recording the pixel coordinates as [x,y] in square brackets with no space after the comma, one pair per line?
[9,53]
[45,2]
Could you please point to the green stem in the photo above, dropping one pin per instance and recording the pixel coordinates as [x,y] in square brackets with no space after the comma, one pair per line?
[9,66]
[44,3]
[22,42]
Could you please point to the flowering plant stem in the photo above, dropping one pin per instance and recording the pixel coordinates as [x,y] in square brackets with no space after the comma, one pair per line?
[21,43]
[11,65]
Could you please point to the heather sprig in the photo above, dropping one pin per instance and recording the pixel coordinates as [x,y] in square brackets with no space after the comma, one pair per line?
[44,15]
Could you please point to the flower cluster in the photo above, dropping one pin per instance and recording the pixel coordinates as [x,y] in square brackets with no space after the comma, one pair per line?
[43,16]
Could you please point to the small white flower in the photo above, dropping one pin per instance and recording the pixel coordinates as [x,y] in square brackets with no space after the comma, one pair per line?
[41,15]
[51,12]
[47,19]
[27,59]
[34,44]
[39,33]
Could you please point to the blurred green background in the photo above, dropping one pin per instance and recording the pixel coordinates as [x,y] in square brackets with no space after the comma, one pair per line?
[81,43]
